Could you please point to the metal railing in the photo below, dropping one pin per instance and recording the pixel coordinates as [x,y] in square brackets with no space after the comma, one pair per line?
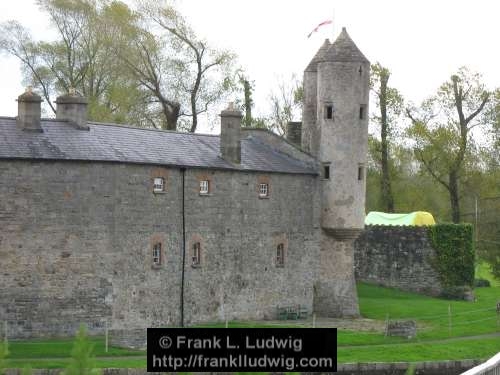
[490,367]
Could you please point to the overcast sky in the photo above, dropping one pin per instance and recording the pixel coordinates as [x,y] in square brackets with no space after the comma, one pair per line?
[422,42]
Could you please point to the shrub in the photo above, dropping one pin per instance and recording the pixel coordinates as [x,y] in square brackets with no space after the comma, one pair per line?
[454,260]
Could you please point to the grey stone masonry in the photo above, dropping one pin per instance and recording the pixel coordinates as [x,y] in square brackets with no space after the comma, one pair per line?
[403,328]
[77,237]
[294,132]
[398,257]
[387,368]
[29,111]
[230,134]
[72,107]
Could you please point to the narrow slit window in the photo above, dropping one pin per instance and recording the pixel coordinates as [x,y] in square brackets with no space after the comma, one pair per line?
[362,112]
[196,256]
[204,187]
[329,112]
[361,172]
[263,190]
[280,255]
[159,185]
[326,171]
[157,254]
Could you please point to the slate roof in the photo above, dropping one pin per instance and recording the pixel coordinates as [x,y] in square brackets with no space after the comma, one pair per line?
[116,143]
[344,50]
[313,65]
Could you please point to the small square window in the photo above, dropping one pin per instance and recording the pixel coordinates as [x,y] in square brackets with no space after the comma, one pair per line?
[329,112]
[361,172]
[159,185]
[326,171]
[280,255]
[157,254]
[263,190]
[196,256]
[204,187]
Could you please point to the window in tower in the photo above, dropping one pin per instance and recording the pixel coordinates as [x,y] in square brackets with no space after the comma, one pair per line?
[362,111]
[361,172]
[329,112]
[326,171]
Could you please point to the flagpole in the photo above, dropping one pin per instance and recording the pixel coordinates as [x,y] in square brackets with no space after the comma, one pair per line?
[333,25]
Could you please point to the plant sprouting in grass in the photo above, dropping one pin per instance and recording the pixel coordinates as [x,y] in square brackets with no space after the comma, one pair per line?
[411,369]
[82,357]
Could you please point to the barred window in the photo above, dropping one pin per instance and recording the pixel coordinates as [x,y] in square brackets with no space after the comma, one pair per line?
[204,187]
[280,255]
[263,190]
[159,184]
[157,254]
[196,258]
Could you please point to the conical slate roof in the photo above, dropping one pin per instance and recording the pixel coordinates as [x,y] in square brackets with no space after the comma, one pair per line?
[312,67]
[344,49]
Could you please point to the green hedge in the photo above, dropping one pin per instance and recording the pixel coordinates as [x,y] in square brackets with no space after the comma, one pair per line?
[454,247]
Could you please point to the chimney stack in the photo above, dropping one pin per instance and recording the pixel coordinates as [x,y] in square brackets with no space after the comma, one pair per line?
[29,111]
[294,132]
[230,132]
[72,107]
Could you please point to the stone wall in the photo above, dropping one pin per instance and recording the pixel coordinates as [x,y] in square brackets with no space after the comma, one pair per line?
[76,246]
[397,368]
[397,257]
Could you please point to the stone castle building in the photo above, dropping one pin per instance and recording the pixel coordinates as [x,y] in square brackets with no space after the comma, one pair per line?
[109,224]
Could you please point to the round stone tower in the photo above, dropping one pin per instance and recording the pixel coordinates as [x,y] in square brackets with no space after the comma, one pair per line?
[342,113]
[335,131]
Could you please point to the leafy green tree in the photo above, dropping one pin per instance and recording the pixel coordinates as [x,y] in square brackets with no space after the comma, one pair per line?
[442,131]
[81,57]
[389,103]
[144,66]
[82,360]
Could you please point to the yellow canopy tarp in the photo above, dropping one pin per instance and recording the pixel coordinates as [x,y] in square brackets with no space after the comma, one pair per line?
[417,218]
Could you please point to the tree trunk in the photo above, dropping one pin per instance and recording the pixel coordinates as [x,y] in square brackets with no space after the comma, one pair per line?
[248,104]
[171,113]
[386,190]
[454,199]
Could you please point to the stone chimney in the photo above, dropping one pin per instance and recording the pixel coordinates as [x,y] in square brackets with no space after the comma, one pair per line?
[72,107]
[230,131]
[29,111]
[294,132]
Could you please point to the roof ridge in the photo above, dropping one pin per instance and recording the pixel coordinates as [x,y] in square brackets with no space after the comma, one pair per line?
[150,129]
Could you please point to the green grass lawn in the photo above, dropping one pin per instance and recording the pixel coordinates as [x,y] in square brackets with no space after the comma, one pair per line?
[483,271]
[434,341]
[431,314]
